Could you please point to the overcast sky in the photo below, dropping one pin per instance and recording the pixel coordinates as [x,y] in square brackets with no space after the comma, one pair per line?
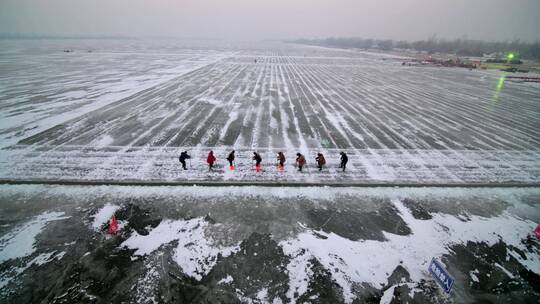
[276,19]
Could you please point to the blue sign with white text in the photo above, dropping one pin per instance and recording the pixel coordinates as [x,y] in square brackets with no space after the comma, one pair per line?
[441,275]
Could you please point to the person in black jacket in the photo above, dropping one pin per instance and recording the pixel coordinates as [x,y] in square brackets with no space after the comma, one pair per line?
[182,158]
[258,159]
[344,160]
[230,158]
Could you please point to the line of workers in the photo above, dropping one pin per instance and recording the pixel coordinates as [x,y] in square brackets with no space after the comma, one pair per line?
[280,160]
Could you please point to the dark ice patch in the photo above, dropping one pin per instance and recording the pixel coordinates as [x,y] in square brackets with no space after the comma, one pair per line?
[92,270]
[366,294]
[138,219]
[322,288]
[458,206]
[399,275]
[417,209]
[425,293]
[353,223]
[514,283]
[259,263]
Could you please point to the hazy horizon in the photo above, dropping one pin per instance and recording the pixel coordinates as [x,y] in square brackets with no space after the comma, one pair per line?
[275,20]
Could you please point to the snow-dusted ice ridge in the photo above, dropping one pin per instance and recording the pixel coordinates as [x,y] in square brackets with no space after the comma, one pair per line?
[155,164]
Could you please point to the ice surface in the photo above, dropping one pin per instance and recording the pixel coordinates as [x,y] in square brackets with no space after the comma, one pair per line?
[371,261]
[41,259]
[67,86]
[375,166]
[19,242]
[453,218]
[123,112]
[195,253]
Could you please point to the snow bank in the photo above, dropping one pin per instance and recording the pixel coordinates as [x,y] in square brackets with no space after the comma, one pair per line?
[195,254]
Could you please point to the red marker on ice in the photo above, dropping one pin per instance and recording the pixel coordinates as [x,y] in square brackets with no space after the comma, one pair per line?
[537,231]
[113,226]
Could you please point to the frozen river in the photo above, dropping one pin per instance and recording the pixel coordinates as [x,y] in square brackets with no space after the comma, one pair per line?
[83,112]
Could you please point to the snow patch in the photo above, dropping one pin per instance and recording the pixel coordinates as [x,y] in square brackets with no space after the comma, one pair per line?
[145,288]
[473,276]
[104,141]
[104,215]
[20,241]
[360,261]
[212,101]
[262,295]
[226,280]
[388,295]
[298,269]
[195,254]
[44,258]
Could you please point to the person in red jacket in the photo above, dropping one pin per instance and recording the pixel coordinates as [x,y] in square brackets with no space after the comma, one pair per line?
[320,161]
[281,161]
[300,161]
[211,159]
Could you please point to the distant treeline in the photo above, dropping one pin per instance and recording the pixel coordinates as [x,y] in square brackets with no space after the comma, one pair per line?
[58,37]
[461,47]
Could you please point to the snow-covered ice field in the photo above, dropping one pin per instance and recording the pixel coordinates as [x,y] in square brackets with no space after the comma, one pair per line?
[266,245]
[123,110]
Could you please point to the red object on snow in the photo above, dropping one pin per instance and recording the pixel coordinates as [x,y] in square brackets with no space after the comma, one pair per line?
[231,168]
[211,158]
[537,231]
[258,168]
[113,226]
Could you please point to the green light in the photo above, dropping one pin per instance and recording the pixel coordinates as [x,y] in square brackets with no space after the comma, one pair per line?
[510,56]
